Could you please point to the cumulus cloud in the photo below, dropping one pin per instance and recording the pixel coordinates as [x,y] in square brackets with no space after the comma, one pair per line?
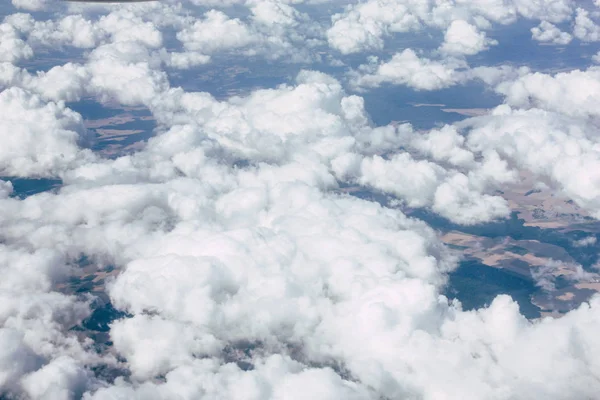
[549,10]
[39,353]
[546,144]
[6,189]
[72,30]
[274,31]
[407,68]
[65,82]
[12,46]
[242,260]
[77,31]
[464,38]
[63,378]
[546,91]
[31,5]
[38,139]
[587,241]
[364,26]
[186,60]
[216,31]
[125,71]
[548,32]
[585,28]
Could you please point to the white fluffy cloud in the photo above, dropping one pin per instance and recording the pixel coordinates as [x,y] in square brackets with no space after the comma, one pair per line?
[6,188]
[31,5]
[216,31]
[63,378]
[274,31]
[246,271]
[72,30]
[534,89]
[407,68]
[365,25]
[125,71]
[547,32]
[585,28]
[12,46]
[547,144]
[38,139]
[61,83]
[77,31]
[362,26]
[464,38]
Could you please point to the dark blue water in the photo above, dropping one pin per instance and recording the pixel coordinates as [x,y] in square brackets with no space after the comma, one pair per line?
[103,315]
[476,285]
[97,328]
[514,228]
[25,187]
[393,103]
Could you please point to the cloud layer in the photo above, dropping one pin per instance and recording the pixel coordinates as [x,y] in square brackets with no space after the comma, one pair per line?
[235,241]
